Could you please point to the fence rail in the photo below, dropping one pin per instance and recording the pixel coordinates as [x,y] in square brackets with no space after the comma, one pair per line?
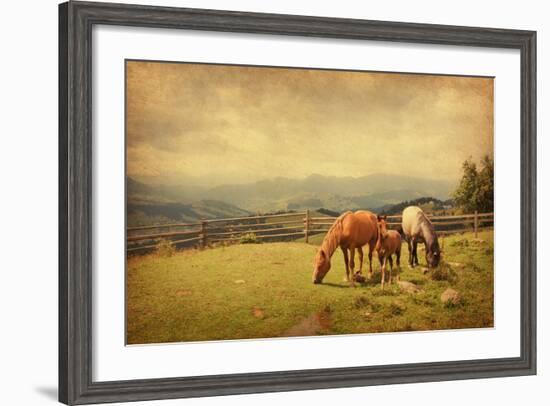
[282,227]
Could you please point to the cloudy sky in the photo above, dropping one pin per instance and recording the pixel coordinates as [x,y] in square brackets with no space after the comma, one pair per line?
[233,124]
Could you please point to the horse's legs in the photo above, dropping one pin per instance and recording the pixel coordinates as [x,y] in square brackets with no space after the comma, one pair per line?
[352,259]
[414,252]
[391,267]
[371,249]
[398,256]
[398,262]
[352,265]
[383,272]
[360,252]
[346,261]
[410,252]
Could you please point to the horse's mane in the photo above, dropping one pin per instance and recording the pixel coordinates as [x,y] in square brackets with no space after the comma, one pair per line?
[423,220]
[332,239]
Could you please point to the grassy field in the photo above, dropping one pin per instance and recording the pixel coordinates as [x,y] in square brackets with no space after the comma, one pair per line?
[265,290]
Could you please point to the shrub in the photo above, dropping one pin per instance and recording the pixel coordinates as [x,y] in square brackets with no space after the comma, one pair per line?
[460,243]
[361,301]
[444,273]
[249,238]
[423,299]
[473,267]
[165,248]
[364,303]
[396,309]
[387,291]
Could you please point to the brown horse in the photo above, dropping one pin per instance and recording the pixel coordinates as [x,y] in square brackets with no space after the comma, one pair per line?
[350,231]
[389,243]
[418,228]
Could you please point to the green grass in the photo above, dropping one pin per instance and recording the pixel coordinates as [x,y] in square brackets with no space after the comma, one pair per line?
[265,290]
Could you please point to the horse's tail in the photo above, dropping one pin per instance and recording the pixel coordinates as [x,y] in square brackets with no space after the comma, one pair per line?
[401,231]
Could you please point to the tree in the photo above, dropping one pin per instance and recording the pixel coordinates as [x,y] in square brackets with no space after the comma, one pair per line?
[486,186]
[475,190]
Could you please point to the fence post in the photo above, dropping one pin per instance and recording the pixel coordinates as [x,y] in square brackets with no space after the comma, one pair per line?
[475,224]
[306,226]
[203,234]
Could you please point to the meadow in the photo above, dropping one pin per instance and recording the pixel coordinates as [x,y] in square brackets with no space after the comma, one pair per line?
[265,290]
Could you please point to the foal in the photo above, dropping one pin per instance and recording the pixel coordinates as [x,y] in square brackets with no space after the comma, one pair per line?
[389,243]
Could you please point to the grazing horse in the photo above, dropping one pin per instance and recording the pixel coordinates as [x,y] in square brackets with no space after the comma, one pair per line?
[389,243]
[350,231]
[418,228]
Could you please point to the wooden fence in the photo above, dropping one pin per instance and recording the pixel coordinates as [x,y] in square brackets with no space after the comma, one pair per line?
[276,227]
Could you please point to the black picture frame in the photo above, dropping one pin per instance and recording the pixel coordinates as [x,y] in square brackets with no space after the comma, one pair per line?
[76,20]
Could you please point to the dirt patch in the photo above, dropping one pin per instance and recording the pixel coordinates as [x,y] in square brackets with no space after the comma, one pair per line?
[312,325]
[181,292]
[258,313]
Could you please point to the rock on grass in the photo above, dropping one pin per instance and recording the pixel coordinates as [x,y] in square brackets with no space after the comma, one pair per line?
[408,287]
[450,297]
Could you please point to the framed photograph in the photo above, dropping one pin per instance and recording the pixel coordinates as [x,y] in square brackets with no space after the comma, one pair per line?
[259,202]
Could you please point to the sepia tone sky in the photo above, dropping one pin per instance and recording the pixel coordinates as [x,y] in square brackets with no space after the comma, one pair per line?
[233,124]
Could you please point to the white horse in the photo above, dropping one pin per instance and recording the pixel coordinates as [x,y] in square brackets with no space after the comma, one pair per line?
[418,228]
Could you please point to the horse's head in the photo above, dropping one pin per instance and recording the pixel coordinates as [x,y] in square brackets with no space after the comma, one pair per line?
[321,266]
[433,255]
[382,226]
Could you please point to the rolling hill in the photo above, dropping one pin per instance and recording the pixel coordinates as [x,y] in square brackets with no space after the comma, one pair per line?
[184,202]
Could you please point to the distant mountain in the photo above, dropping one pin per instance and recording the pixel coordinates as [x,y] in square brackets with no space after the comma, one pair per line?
[183,193]
[315,191]
[147,213]
[331,192]
[153,205]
